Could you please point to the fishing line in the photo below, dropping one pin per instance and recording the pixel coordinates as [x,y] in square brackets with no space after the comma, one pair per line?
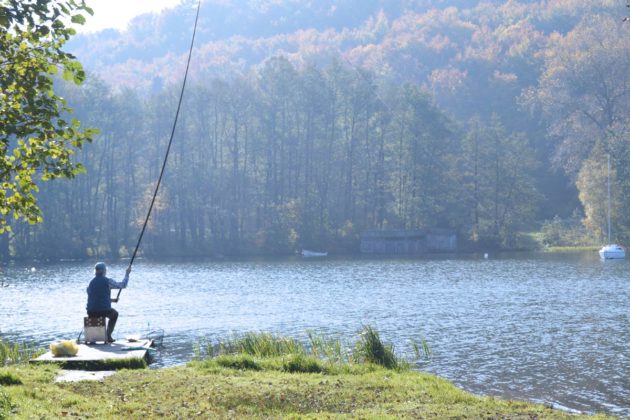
[168,149]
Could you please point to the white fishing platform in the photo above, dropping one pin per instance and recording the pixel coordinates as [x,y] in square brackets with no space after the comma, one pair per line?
[94,354]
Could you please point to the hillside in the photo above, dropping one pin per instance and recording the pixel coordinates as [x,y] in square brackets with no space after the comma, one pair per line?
[471,55]
[474,57]
[425,41]
[308,123]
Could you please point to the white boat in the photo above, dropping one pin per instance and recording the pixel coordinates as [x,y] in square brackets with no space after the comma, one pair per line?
[611,251]
[313,254]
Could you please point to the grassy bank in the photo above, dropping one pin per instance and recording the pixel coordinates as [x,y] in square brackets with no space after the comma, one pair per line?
[209,389]
[262,375]
[577,248]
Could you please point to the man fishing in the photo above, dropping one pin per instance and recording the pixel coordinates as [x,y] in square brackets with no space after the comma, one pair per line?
[99,296]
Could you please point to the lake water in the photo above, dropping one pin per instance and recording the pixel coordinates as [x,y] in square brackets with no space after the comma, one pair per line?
[546,328]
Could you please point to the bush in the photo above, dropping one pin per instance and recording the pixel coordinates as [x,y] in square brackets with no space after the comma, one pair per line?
[565,232]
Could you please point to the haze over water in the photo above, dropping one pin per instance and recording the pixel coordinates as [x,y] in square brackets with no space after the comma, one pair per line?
[547,328]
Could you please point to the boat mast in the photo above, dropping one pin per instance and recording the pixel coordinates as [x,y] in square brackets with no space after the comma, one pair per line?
[608,198]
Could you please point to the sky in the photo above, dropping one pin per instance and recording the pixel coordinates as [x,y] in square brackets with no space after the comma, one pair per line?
[117,14]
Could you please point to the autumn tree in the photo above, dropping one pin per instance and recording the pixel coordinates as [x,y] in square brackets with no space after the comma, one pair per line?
[584,95]
[592,184]
[584,91]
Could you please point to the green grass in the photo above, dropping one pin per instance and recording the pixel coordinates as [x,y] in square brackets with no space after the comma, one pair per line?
[298,363]
[195,391]
[371,349]
[239,362]
[11,354]
[257,344]
[9,378]
[5,405]
[329,353]
[262,376]
[328,348]
[577,248]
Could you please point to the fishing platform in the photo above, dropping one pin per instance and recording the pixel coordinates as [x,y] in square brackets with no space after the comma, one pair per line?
[123,353]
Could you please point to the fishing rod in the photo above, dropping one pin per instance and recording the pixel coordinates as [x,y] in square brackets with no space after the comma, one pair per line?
[168,149]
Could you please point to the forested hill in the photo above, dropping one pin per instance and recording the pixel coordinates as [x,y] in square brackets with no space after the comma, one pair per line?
[421,40]
[474,57]
[168,33]
[307,123]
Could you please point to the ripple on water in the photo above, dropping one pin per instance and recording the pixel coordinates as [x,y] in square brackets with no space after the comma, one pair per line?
[549,328]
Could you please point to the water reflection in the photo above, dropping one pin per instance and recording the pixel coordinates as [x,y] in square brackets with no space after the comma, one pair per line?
[549,328]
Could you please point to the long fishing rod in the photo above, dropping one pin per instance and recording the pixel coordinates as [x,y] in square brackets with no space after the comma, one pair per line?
[168,149]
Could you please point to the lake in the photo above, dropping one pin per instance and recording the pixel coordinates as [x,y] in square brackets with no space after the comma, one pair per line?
[547,328]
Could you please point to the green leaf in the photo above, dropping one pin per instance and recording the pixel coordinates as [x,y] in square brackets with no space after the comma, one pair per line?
[4,21]
[43,30]
[32,114]
[79,19]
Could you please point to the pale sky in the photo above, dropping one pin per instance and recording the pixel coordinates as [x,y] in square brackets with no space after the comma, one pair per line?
[117,13]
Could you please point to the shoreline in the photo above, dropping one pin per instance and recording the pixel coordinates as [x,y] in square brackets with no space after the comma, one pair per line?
[464,254]
[214,389]
[259,375]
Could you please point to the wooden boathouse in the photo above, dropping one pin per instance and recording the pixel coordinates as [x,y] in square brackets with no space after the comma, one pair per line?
[408,242]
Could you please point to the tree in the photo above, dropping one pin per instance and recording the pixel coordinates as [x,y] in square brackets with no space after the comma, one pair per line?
[591,182]
[497,172]
[424,147]
[37,136]
[584,91]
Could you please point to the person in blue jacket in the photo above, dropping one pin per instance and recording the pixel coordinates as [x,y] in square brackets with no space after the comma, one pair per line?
[99,301]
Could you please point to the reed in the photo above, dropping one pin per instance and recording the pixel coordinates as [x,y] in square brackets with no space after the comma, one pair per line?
[330,349]
[422,351]
[319,354]
[12,354]
[371,349]
[262,345]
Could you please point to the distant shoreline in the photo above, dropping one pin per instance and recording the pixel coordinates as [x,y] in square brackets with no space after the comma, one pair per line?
[465,254]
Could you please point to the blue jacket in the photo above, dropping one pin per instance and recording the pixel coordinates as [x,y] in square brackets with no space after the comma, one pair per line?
[99,293]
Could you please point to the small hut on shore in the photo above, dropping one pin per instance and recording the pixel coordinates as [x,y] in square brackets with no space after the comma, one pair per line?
[408,242]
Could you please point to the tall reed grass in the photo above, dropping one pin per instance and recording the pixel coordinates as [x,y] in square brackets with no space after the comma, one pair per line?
[368,348]
[12,354]
[261,345]
[371,349]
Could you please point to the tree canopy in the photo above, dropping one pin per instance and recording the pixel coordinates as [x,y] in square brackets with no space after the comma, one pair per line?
[486,117]
[38,138]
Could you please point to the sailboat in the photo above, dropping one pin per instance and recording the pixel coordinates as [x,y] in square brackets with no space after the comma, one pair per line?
[611,251]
